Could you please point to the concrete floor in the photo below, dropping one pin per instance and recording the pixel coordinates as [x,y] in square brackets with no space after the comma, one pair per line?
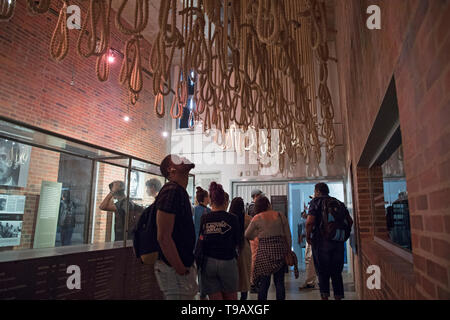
[293,293]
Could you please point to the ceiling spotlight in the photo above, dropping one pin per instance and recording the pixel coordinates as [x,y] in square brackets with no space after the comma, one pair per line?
[126,118]
[111,58]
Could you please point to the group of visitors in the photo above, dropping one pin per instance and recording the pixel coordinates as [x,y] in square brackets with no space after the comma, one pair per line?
[220,249]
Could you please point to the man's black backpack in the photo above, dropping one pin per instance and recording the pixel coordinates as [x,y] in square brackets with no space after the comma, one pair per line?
[336,222]
[145,240]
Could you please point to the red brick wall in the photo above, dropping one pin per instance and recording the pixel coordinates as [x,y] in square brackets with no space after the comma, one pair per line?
[36,90]
[412,46]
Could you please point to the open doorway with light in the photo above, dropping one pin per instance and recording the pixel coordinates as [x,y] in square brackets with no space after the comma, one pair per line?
[299,198]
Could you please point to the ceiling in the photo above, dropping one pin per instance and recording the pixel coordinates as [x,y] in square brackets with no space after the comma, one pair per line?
[152,28]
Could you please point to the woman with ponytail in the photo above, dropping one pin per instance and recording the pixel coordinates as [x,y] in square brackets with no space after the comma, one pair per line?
[219,238]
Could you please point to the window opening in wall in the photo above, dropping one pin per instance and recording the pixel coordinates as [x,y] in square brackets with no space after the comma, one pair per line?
[396,200]
[383,155]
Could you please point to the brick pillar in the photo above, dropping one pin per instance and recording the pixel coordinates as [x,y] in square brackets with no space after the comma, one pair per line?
[378,209]
[363,204]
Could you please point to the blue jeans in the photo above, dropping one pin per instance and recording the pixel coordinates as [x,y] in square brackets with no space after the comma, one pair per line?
[329,262]
[264,284]
[66,236]
[219,276]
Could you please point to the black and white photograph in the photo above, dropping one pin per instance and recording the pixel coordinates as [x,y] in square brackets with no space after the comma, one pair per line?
[14,163]
[10,233]
[137,185]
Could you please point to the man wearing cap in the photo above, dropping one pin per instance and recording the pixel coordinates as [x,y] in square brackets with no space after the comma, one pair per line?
[175,269]
[251,208]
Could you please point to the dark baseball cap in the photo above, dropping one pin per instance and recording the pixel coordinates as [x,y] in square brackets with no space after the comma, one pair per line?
[256,192]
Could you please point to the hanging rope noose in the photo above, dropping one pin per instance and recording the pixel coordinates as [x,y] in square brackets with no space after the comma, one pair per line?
[95,29]
[38,6]
[140,17]
[7,9]
[131,70]
[102,67]
[59,43]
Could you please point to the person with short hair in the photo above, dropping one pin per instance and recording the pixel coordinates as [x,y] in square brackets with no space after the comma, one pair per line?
[153,186]
[175,270]
[116,201]
[274,243]
[328,255]
[219,239]
[251,208]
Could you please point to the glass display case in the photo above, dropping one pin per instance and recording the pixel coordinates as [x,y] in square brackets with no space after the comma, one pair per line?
[56,191]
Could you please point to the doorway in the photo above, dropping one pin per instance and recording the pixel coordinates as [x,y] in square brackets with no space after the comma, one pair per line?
[299,197]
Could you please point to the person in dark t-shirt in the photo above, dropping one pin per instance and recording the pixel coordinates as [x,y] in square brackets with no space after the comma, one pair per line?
[328,255]
[116,201]
[175,269]
[219,238]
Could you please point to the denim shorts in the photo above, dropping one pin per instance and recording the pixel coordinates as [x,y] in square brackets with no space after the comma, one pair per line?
[175,286]
[219,276]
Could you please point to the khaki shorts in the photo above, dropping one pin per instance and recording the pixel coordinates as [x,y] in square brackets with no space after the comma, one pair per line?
[175,286]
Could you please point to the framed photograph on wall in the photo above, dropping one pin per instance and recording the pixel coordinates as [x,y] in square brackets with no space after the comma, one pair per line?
[14,163]
[12,208]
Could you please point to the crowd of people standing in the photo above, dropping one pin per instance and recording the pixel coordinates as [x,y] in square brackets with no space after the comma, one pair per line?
[220,249]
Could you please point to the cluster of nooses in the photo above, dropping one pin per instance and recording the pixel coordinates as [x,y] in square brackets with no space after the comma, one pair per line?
[245,57]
